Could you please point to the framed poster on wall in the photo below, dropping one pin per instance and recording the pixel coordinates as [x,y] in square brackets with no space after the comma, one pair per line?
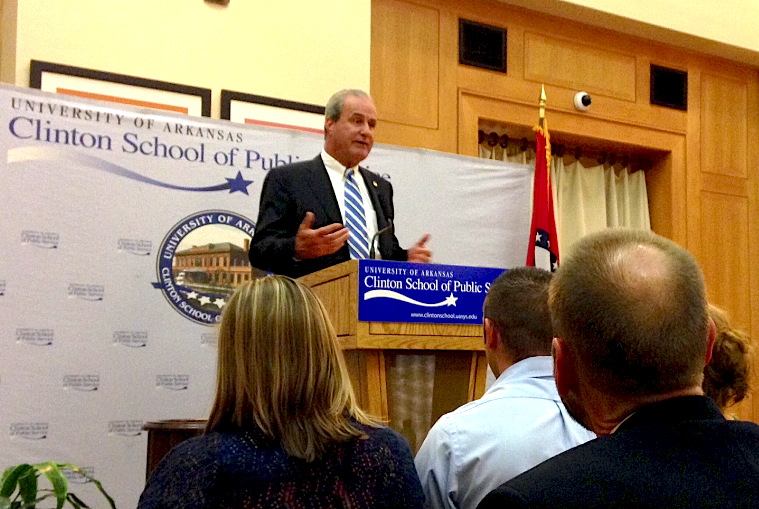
[271,112]
[120,88]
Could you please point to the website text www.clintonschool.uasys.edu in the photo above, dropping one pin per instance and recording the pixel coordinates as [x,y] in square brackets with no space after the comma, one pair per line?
[443,315]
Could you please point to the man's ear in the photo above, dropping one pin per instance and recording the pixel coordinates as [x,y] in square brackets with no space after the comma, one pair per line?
[492,335]
[563,368]
[710,341]
[328,122]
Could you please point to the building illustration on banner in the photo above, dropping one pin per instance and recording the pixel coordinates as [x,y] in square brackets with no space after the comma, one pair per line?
[202,260]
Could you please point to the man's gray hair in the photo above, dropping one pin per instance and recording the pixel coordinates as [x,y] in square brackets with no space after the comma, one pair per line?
[334,108]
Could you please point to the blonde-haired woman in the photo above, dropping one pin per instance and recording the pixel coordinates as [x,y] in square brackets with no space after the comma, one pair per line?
[285,429]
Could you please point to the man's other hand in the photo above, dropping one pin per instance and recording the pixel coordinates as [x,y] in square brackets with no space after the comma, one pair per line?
[419,253]
[323,241]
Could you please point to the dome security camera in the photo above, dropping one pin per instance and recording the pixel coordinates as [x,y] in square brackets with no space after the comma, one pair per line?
[582,101]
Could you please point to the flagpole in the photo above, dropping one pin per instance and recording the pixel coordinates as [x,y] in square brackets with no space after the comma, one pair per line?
[542,123]
[542,106]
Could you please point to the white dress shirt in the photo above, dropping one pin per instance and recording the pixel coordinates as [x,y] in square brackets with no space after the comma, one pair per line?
[519,422]
[337,177]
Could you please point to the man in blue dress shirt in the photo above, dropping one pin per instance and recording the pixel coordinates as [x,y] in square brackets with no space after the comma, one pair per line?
[520,421]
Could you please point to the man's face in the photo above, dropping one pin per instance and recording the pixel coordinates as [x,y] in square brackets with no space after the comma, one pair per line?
[350,139]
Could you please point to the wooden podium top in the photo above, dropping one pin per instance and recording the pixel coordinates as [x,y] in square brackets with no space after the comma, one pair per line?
[337,287]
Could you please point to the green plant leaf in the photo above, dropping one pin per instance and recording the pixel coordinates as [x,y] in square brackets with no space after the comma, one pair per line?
[27,486]
[57,479]
[10,478]
[5,503]
[71,466]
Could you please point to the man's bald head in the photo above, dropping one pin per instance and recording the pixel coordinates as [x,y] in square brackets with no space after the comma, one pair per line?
[631,306]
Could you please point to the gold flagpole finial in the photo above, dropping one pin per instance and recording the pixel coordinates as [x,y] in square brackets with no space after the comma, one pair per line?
[542,105]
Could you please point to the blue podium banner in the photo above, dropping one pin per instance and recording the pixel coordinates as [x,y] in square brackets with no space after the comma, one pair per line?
[422,293]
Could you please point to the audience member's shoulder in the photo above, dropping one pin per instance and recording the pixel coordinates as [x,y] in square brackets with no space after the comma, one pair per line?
[748,431]
[384,436]
[200,449]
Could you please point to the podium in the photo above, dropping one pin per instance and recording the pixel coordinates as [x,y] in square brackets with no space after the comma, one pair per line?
[383,358]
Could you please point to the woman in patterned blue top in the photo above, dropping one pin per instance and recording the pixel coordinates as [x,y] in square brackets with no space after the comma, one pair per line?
[285,429]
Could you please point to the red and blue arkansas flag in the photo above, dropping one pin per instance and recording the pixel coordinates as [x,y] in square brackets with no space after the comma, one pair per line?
[543,251]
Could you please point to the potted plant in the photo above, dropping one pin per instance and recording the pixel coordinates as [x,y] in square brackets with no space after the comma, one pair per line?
[19,488]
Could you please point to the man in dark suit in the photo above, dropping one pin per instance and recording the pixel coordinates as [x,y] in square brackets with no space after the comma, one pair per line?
[633,335]
[302,221]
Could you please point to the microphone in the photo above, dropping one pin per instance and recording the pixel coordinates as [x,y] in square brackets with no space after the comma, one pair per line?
[387,228]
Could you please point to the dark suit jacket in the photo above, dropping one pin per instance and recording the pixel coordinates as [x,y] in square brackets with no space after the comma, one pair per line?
[291,191]
[672,454]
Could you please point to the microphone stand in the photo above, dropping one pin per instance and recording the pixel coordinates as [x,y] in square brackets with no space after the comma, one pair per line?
[372,249]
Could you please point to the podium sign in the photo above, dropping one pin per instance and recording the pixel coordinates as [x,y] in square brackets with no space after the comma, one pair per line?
[422,293]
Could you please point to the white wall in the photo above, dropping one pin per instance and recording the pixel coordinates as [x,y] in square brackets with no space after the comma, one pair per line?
[728,21]
[289,49]
[726,28]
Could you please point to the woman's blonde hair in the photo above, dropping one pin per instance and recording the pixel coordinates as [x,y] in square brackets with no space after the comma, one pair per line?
[280,369]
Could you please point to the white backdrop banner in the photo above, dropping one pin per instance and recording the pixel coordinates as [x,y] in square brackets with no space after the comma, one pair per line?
[124,231]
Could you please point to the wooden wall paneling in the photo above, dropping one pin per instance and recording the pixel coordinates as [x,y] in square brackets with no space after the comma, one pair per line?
[724,117]
[753,225]
[724,208]
[578,66]
[694,174]
[405,62]
[660,188]
[725,262]
[725,254]
[407,109]
[491,84]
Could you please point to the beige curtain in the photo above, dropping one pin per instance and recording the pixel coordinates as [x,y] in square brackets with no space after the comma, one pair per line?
[590,199]
[586,199]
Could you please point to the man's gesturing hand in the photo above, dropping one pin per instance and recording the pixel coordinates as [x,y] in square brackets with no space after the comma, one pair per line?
[419,253]
[320,242]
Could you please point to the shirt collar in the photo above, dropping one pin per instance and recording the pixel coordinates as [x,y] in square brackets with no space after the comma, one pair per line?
[621,423]
[333,164]
[531,367]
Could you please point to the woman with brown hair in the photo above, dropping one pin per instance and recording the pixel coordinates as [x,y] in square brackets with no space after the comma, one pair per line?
[285,429]
[726,377]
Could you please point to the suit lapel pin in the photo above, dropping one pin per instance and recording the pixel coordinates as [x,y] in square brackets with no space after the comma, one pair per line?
[375,183]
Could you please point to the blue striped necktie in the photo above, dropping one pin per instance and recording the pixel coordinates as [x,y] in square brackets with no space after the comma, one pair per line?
[355,219]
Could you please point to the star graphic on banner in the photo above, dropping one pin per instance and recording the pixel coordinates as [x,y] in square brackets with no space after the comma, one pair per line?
[192,295]
[554,266]
[204,300]
[537,238]
[451,300]
[239,184]
[220,303]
